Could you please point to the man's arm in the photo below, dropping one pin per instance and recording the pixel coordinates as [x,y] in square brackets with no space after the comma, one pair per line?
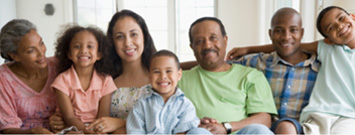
[268,48]
[188,65]
[256,118]
[311,47]
[240,51]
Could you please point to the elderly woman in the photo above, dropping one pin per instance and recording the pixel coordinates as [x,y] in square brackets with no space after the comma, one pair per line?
[27,101]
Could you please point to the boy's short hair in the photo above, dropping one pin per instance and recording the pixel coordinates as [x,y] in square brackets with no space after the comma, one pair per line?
[321,15]
[166,53]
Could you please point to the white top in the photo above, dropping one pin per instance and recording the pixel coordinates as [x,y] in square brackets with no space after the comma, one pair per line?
[334,90]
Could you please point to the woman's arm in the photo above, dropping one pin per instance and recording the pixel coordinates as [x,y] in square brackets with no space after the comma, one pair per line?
[109,125]
[67,112]
[104,106]
[104,123]
[36,130]
[104,111]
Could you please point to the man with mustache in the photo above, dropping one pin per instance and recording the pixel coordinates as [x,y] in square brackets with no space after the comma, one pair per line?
[228,97]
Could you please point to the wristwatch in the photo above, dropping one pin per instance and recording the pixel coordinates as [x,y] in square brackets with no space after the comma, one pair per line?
[228,127]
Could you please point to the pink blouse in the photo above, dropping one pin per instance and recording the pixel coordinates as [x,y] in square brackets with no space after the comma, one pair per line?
[22,107]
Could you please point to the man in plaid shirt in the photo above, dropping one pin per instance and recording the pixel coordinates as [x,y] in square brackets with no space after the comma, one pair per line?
[290,71]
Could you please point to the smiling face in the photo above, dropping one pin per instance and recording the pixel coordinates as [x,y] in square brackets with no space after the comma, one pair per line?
[128,39]
[286,33]
[84,50]
[208,44]
[31,51]
[164,75]
[338,26]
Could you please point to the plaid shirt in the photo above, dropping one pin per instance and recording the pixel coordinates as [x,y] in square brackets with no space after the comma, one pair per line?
[291,84]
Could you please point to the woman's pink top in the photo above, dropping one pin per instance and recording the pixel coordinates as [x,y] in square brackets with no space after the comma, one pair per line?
[22,107]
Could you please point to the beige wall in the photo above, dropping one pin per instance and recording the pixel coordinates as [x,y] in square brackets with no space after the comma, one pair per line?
[7,13]
[348,5]
[47,26]
[246,21]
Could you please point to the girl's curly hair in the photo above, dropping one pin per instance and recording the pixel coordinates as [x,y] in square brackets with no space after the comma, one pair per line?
[102,66]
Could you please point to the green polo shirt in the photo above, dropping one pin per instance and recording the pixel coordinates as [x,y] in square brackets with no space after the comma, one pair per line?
[228,96]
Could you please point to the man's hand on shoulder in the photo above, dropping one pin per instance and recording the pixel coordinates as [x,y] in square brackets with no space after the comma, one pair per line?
[237,52]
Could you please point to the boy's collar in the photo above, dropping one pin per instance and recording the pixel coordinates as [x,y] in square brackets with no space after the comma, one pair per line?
[178,93]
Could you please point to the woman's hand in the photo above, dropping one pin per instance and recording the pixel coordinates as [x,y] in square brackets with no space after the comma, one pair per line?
[56,122]
[106,124]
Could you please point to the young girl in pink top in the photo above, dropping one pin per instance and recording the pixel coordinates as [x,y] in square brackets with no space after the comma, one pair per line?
[84,87]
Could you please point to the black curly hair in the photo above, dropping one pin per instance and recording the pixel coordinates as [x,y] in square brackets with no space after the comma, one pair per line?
[149,48]
[103,66]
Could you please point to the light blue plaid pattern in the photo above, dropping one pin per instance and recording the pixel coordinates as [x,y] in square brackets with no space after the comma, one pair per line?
[150,115]
[291,84]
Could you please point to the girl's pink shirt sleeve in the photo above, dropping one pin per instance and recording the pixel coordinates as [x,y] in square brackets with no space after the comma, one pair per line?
[61,83]
[109,86]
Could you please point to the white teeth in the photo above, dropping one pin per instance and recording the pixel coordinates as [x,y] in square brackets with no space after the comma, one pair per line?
[130,50]
[84,58]
[285,44]
[164,84]
[344,30]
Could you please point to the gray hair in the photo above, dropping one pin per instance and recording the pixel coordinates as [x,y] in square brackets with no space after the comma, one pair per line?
[11,35]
